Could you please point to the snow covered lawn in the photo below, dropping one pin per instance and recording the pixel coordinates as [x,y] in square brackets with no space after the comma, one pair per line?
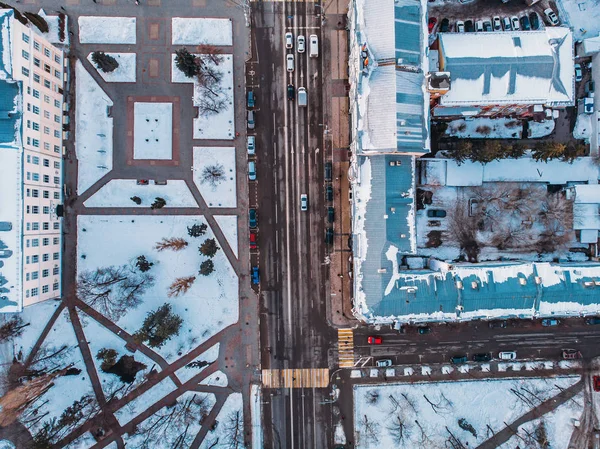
[582,15]
[230,417]
[229,227]
[145,400]
[196,31]
[221,193]
[37,315]
[187,372]
[428,409]
[118,193]
[125,73]
[93,130]
[107,30]
[485,128]
[583,127]
[118,240]
[152,130]
[540,129]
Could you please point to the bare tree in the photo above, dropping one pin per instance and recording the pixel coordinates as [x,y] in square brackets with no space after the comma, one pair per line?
[369,430]
[399,428]
[209,105]
[175,243]
[213,174]
[180,286]
[210,53]
[234,430]
[462,229]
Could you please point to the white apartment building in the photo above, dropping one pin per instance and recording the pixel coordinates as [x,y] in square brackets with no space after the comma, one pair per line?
[36,66]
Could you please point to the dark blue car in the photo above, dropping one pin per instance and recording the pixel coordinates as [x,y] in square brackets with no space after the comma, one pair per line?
[255,276]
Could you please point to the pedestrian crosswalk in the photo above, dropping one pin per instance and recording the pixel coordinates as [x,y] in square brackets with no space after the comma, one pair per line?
[295,378]
[346,348]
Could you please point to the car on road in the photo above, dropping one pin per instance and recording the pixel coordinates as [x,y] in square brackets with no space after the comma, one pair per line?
[469,28]
[534,19]
[497,23]
[593,320]
[479,26]
[431,24]
[304,202]
[301,43]
[314,45]
[507,355]
[250,99]
[525,25]
[252,240]
[251,123]
[328,171]
[251,145]
[302,97]
[291,92]
[374,340]
[329,236]
[506,24]
[252,171]
[289,40]
[596,383]
[578,73]
[482,357]
[436,213]
[383,363]
[550,322]
[252,219]
[460,26]
[514,23]
[423,330]
[329,192]
[570,354]
[255,276]
[487,25]
[290,62]
[497,324]
[330,214]
[444,25]
[551,16]
[459,359]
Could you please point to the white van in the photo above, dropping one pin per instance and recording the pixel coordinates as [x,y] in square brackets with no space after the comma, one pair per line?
[302,97]
[314,46]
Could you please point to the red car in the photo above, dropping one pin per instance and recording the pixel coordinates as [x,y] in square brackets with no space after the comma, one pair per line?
[252,240]
[596,383]
[431,24]
[374,340]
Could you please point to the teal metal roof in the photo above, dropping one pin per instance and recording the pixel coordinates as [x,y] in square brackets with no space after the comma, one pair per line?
[9,115]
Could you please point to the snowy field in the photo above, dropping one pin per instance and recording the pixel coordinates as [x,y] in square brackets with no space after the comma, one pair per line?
[540,129]
[583,127]
[53,28]
[196,31]
[582,15]
[186,373]
[152,130]
[220,193]
[230,414]
[85,441]
[428,412]
[118,193]
[485,128]
[229,227]
[37,315]
[125,73]
[145,400]
[216,379]
[213,297]
[106,30]
[93,130]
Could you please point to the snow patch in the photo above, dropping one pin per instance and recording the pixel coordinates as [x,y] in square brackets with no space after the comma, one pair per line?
[125,73]
[223,194]
[107,30]
[118,193]
[196,31]
[229,228]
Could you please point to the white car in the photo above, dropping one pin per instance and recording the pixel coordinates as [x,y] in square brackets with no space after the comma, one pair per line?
[383,363]
[506,24]
[289,40]
[251,145]
[551,16]
[290,62]
[304,202]
[479,26]
[578,73]
[497,25]
[514,21]
[460,26]
[507,355]
[301,44]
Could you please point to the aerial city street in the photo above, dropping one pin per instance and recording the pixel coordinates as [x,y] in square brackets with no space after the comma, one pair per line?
[307,224]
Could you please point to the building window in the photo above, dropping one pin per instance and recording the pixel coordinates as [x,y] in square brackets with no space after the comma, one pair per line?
[45,225]
[46,209]
[56,225]
[47,114]
[35,177]
[46,146]
[57,195]
[55,286]
[56,164]
[56,147]
[46,99]
[35,259]
[36,110]
[45,273]
[55,241]
[47,53]
[56,180]
[28,209]
[35,160]
[35,209]
[35,143]
[47,68]
[25,54]
[57,118]
[57,73]
[36,93]
[46,178]
[45,257]
[46,130]
[47,84]
[57,104]
[27,259]
[57,59]
[46,162]
[35,243]
[55,271]
[55,256]
[27,276]
[45,241]
[25,71]
[36,126]
[57,135]
[28,176]
[46,194]
[25,38]
[35,275]
[35,226]
[36,45]
[44,289]
[35,193]
[36,77]
[28,226]
[34,291]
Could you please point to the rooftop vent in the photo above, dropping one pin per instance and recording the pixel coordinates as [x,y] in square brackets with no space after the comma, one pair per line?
[382,271]
[474,285]
[538,280]
[459,285]
[517,41]
[589,284]
[522,281]
[411,290]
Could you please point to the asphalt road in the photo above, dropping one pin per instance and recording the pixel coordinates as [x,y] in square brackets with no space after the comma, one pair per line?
[291,248]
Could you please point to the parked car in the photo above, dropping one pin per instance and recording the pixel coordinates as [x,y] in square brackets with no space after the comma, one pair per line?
[593,320]
[525,25]
[250,99]
[290,62]
[436,213]
[383,363]
[301,43]
[497,324]
[330,214]
[487,25]
[444,26]
[252,171]
[551,16]
[304,202]
[252,219]
[483,357]
[588,105]
[590,87]
[497,24]
[578,73]
[291,92]
[374,340]
[459,359]
[251,145]
[479,26]
[329,236]
[289,40]
[329,192]
[142,182]
[570,354]
[328,171]
[251,123]
[534,19]
[550,322]
[255,276]
[507,355]
[506,24]
[252,240]
[5,226]
[460,26]
[596,383]
[431,24]
[514,23]
[469,28]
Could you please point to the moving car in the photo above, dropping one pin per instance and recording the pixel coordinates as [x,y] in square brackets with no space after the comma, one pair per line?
[252,171]
[252,240]
[329,236]
[431,24]
[524,20]
[5,226]
[255,276]
[497,23]
[514,23]
[5,253]
[289,40]
[550,322]
[497,324]
[459,359]
[291,92]
[483,357]
[469,28]
[593,320]
[290,62]
[437,213]
[588,105]
[251,123]
[507,355]
[303,202]
[590,87]
[329,193]
[444,26]
[506,24]
[374,340]
[383,363]
[534,19]
[251,145]
[424,330]
[328,171]
[302,97]
[250,99]
[314,46]
[252,219]
[578,73]
[551,16]
[301,43]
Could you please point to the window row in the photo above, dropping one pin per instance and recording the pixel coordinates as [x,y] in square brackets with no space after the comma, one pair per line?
[34,243]
[45,273]
[35,193]
[45,258]
[45,178]
[39,47]
[35,160]
[45,288]
[35,226]
[36,94]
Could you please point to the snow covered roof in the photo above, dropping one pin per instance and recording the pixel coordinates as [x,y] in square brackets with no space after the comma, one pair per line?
[6,17]
[520,67]
[586,210]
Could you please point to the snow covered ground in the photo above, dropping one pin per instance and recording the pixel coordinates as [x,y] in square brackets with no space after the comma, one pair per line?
[229,227]
[85,441]
[196,31]
[430,411]
[583,127]
[53,28]
[255,411]
[186,373]
[485,128]
[118,193]
[145,400]
[93,130]
[216,379]
[118,240]
[223,193]
[107,30]
[540,129]
[231,412]
[152,130]
[125,73]
[37,315]
[582,15]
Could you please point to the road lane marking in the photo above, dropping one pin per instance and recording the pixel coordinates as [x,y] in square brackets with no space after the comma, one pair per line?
[346,348]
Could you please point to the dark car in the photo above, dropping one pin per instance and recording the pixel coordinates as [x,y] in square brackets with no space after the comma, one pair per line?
[253,220]
[593,320]
[482,357]
[329,192]
[459,359]
[525,25]
[596,383]
[437,213]
[497,324]
[424,330]
[330,214]
[255,276]
[328,171]
[444,26]
[534,20]
[550,322]
[250,99]
[291,92]
[487,26]
[469,27]
[329,236]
